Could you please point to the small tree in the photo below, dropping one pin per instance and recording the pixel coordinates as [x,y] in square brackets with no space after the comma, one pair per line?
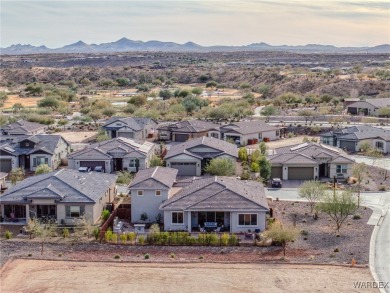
[263,148]
[265,167]
[124,177]
[84,225]
[338,205]
[268,111]
[255,156]
[282,235]
[102,136]
[359,171]
[156,161]
[221,167]
[307,114]
[62,122]
[364,146]
[243,154]
[16,175]
[41,230]
[313,191]
[42,169]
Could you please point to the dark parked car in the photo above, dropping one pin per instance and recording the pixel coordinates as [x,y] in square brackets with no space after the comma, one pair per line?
[276,182]
[84,169]
[99,169]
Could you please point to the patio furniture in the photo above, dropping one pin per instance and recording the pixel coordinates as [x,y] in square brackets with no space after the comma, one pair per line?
[250,236]
[118,227]
[13,218]
[218,229]
[201,230]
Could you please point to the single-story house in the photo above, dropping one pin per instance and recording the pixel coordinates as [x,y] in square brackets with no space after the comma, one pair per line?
[149,188]
[130,127]
[351,138]
[62,195]
[190,157]
[247,132]
[184,130]
[309,161]
[239,206]
[368,107]
[116,154]
[28,152]
[23,127]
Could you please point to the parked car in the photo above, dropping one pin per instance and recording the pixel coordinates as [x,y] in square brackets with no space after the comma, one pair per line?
[99,169]
[276,182]
[84,169]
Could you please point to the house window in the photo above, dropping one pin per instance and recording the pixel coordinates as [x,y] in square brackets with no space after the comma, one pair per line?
[158,192]
[247,219]
[341,169]
[326,140]
[74,211]
[277,132]
[132,163]
[177,218]
[379,145]
[260,135]
[140,192]
[39,161]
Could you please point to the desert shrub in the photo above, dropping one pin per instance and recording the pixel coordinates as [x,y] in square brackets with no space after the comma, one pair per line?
[172,255]
[108,235]
[200,257]
[117,256]
[356,217]
[114,237]
[146,256]
[141,240]
[336,250]
[304,232]
[225,239]
[8,234]
[123,238]
[96,232]
[382,187]
[60,255]
[131,236]
[29,254]
[105,215]
[65,233]
[233,240]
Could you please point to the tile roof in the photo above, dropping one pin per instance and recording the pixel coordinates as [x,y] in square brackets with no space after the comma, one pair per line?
[359,132]
[248,127]
[189,126]
[103,150]
[43,142]
[149,177]
[377,102]
[218,193]
[135,123]
[189,147]
[21,127]
[308,152]
[69,186]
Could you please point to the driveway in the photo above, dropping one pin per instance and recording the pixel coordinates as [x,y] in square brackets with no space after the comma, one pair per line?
[382,163]
[379,202]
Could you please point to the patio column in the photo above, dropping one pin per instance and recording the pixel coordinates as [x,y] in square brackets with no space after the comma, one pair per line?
[27,213]
[189,221]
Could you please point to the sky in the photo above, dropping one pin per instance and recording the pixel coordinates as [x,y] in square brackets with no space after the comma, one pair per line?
[57,23]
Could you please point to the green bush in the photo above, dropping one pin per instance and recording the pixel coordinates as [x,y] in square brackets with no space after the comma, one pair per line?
[356,217]
[382,187]
[336,250]
[141,240]
[225,239]
[117,256]
[105,215]
[172,255]
[8,234]
[108,235]
[131,236]
[147,256]
[65,233]
[96,233]
[123,238]
[304,232]
[114,237]
[233,240]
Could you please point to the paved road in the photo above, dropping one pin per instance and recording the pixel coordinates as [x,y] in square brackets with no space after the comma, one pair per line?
[382,163]
[380,203]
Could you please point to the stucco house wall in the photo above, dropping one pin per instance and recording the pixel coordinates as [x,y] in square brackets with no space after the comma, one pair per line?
[148,203]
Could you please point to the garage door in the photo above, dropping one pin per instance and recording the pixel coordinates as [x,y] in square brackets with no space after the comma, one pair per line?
[92,164]
[185,169]
[181,137]
[352,110]
[347,145]
[277,172]
[300,173]
[5,165]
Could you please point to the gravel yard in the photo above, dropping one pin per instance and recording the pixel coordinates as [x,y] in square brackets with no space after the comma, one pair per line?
[321,243]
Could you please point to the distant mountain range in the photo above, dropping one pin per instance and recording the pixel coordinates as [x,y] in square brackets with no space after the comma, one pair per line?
[126,45]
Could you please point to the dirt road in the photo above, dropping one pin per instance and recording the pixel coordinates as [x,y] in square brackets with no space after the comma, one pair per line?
[62,276]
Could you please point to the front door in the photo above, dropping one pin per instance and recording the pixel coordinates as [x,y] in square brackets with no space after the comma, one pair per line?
[118,164]
[27,162]
[113,133]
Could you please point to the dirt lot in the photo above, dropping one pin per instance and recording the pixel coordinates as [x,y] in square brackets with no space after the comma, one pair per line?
[61,276]
[26,102]
[75,137]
